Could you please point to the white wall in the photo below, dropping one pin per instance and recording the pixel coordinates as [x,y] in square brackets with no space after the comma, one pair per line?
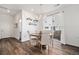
[71,22]
[26,27]
[17,21]
[40,23]
[6,26]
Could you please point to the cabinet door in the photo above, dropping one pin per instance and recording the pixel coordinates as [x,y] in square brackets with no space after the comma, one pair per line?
[48,23]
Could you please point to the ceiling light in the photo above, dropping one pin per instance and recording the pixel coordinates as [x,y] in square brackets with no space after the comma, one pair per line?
[8,11]
[32,9]
[20,20]
[37,17]
[56,5]
[41,4]
[5,9]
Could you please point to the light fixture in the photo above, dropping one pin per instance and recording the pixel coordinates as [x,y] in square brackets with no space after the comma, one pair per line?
[56,5]
[36,17]
[41,4]
[5,9]
[20,20]
[8,10]
[32,9]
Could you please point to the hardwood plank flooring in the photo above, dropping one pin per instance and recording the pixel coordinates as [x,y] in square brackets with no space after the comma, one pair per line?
[12,46]
[57,49]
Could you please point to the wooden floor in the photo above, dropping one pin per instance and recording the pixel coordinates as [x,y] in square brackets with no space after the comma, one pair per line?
[57,49]
[64,50]
[12,46]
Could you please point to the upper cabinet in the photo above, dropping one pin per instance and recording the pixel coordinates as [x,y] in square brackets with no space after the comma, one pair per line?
[53,22]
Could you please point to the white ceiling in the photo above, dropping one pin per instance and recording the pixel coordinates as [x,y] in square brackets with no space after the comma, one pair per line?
[34,8]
